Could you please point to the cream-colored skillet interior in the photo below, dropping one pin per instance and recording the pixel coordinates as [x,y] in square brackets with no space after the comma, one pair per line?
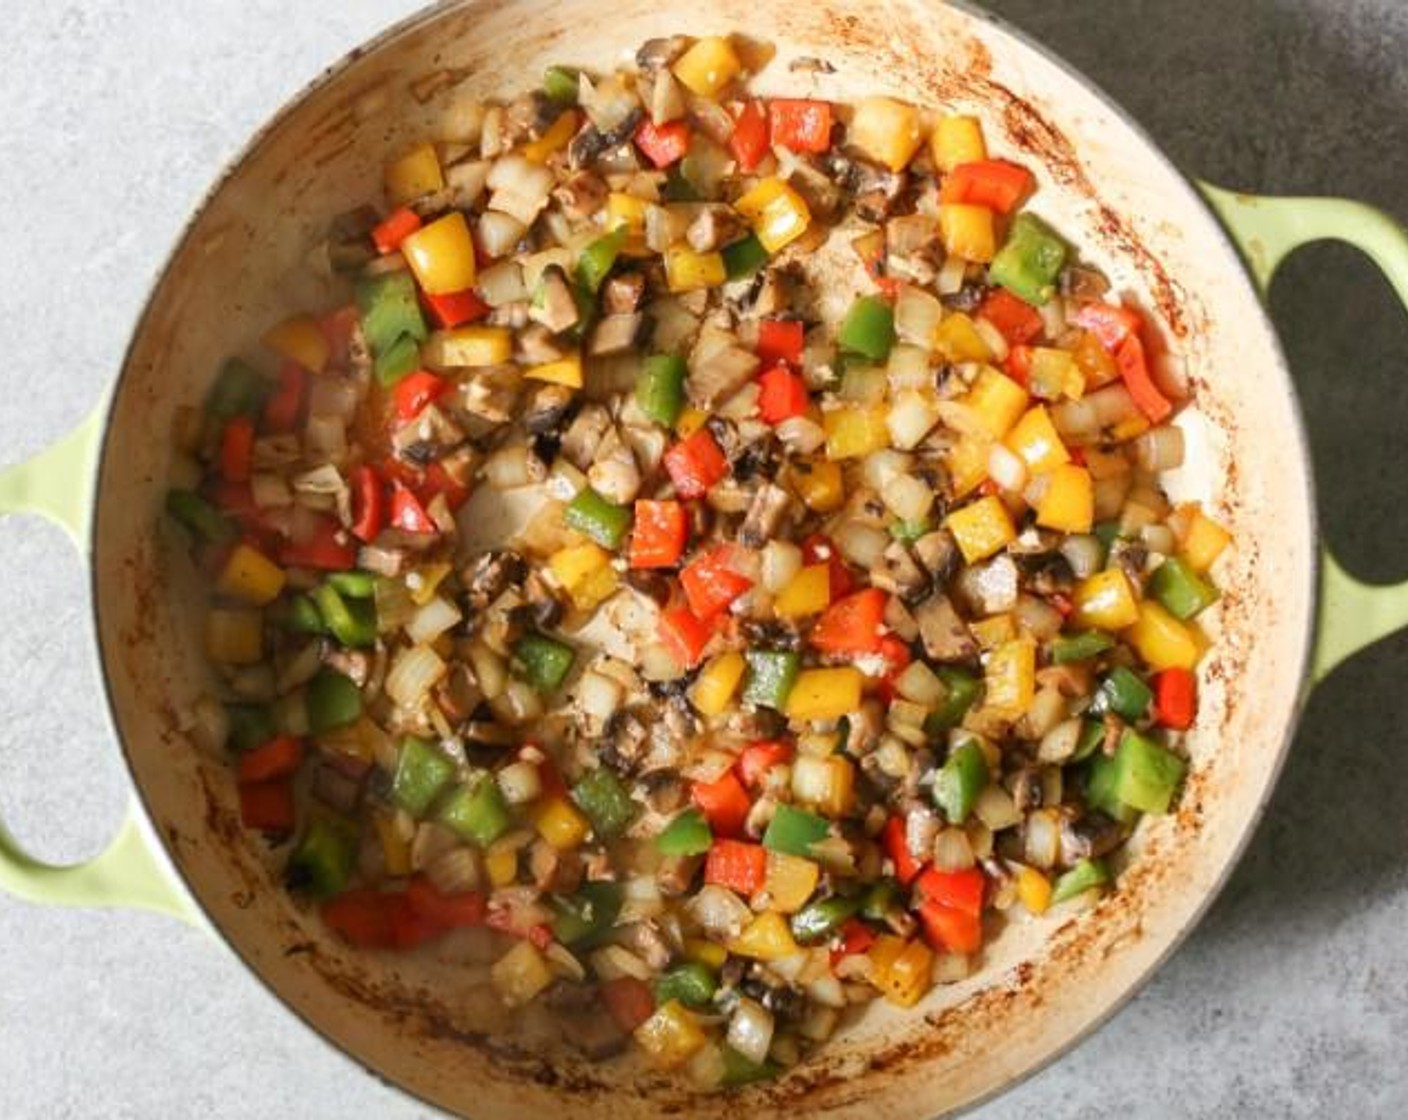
[1042,984]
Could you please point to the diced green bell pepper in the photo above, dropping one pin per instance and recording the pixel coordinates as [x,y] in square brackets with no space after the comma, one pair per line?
[302,616]
[355,584]
[422,771]
[240,389]
[400,360]
[1029,261]
[251,725]
[744,257]
[333,701]
[884,898]
[678,188]
[738,1070]
[203,520]
[1180,589]
[598,258]
[1092,734]
[606,802]
[324,859]
[560,84]
[793,831]
[1068,648]
[868,329]
[770,677]
[1146,775]
[660,388]
[963,692]
[476,811]
[960,780]
[1084,876]
[390,310]
[1100,790]
[546,661]
[910,531]
[587,915]
[593,516]
[1124,693]
[1107,533]
[692,983]
[351,621]
[688,834]
[817,921]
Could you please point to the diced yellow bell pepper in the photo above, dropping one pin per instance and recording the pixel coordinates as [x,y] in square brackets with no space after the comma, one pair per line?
[688,271]
[826,784]
[981,529]
[808,592]
[967,231]
[1033,889]
[886,131]
[395,848]
[992,632]
[1129,429]
[854,431]
[561,824]
[717,682]
[902,971]
[1096,364]
[1036,440]
[766,938]
[789,883]
[967,462]
[415,174]
[996,400]
[558,135]
[429,577]
[565,371]
[586,574]
[626,211]
[825,693]
[250,577]
[957,339]
[690,421]
[670,1037]
[1055,374]
[441,255]
[957,140]
[1068,503]
[234,637]
[501,865]
[520,974]
[1162,640]
[705,952]
[299,339]
[818,483]
[777,213]
[1203,540]
[469,346]
[1009,678]
[1104,601]
[708,66]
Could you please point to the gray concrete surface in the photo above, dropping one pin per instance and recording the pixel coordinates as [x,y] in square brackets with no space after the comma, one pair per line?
[1291,999]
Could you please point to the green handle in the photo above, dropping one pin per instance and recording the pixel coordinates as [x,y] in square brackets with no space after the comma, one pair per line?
[129,873]
[1352,614]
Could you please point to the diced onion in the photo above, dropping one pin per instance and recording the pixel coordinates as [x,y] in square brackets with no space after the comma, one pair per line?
[1113,405]
[1043,839]
[457,870]
[861,544]
[996,809]
[1084,553]
[498,233]
[952,850]
[864,384]
[921,684]
[1160,449]
[781,561]
[1058,744]
[331,395]
[950,968]
[1006,468]
[908,368]
[1077,421]
[801,435]
[718,911]
[1038,618]
[520,782]
[432,620]
[616,962]
[1053,317]
[1047,709]
[950,279]
[210,725]
[599,696]
[993,338]
[326,436]
[414,672]
[880,468]
[518,703]
[750,1030]
[1108,496]
[917,316]
[1159,538]
[908,498]
[502,283]
[642,902]
[910,419]
[508,468]
[269,490]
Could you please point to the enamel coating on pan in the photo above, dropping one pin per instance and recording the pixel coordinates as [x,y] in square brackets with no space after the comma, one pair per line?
[1043,984]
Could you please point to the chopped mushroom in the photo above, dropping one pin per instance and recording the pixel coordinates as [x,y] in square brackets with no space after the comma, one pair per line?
[718,367]
[615,475]
[945,635]
[582,195]
[615,334]
[715,226]
[584,435]
[765,514]
[490,393]
[553,303]
[897,573]
[622,293]
[938,552]
[490,575]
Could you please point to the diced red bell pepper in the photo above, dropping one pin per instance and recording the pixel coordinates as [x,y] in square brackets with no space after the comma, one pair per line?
[414,392]
[1018,365]
[388,234]
[782,395]
[802,125]
[724,802]
[438,481]
[338,327]
[855,625]
[993,183]
[959,890]
[756,759]
[456,910]
[710,582]
[268,806]
[819,549]
[1134,368]
[950,930]
[684,635]
[407,513]
[237,449]
[368,503]
[1110,323]
[658,535]
[896,656]
[695,464]
[855,937]
[663,144]
[896,844]
[737,865]
[409,928]
[360,917]
[327,549]
[455,309]
[749,139]
[1175,698]
[780,341]
[285,405]
[278,758]
[1016,319]
[629,1001]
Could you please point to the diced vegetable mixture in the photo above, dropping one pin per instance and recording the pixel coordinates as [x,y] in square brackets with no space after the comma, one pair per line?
[586,596]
